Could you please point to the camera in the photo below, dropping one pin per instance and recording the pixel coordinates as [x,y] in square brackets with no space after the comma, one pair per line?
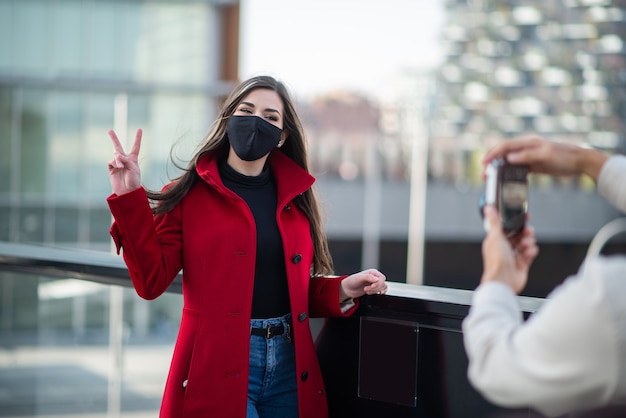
[506,188]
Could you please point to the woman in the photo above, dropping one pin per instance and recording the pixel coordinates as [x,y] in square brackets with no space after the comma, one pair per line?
[243,223]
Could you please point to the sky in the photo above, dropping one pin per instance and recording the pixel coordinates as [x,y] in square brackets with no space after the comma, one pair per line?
[319,46]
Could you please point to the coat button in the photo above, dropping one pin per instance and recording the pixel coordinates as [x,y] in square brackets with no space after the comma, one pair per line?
[288,207]
[296,258]
[304,376]
[185,383]
[302,317]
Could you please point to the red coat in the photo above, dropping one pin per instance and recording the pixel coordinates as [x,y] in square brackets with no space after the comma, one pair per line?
[211,235]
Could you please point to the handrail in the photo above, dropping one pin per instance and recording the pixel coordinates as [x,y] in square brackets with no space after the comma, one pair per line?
[96,266]
[106,268]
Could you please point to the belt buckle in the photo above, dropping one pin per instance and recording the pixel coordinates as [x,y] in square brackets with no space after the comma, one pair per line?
[268,334]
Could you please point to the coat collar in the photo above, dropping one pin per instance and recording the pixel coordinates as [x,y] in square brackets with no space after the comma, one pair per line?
[291,179]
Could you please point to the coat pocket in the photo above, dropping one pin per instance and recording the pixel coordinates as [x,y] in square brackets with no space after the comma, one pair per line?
[178,379]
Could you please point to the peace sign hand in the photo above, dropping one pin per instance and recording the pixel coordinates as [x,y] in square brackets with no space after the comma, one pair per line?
[124,168]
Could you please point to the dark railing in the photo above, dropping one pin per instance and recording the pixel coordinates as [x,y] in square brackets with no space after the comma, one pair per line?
[401,355]
[96,266]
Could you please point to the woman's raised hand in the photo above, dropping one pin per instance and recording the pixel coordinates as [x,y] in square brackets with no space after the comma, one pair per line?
[124,168]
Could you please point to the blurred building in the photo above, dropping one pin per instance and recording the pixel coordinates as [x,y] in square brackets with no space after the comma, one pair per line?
[70,71]
[556,69]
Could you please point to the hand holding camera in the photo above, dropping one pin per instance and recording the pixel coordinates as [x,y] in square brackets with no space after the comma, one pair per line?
[507,255]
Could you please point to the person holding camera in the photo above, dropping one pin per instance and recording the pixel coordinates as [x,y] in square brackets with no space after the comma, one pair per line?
[571,354]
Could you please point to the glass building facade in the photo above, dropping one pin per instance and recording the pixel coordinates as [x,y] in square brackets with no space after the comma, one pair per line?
[63,67]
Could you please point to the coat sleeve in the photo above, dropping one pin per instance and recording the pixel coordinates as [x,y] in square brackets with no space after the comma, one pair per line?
[152,246]
[611,180]
[562,359]
[324,298]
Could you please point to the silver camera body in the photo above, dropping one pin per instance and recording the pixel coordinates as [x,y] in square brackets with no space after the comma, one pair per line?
[506,188]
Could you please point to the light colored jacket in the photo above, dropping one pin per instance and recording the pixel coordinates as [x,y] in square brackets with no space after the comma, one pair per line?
[571,354]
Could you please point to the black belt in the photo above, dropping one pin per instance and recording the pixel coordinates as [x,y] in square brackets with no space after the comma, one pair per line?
[271,332]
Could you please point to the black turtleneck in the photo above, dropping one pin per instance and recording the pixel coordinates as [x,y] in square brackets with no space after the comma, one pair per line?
[271,294]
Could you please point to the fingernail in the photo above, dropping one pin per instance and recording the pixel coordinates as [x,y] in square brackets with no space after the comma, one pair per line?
[512,157]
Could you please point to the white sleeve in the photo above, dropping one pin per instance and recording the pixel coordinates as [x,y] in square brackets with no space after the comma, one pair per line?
[346,305]
[562,359]
[611,181]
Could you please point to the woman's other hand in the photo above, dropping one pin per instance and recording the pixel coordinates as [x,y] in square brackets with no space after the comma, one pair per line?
[124,170]
[366,282]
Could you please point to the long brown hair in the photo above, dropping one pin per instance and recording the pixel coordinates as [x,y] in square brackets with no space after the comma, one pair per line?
[294,147]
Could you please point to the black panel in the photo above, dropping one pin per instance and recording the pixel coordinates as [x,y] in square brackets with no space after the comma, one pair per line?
[388,361]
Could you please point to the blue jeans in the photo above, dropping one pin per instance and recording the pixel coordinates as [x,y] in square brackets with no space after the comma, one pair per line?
[272,386]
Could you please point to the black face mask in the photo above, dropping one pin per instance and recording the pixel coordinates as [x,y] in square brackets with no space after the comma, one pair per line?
[252,137]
